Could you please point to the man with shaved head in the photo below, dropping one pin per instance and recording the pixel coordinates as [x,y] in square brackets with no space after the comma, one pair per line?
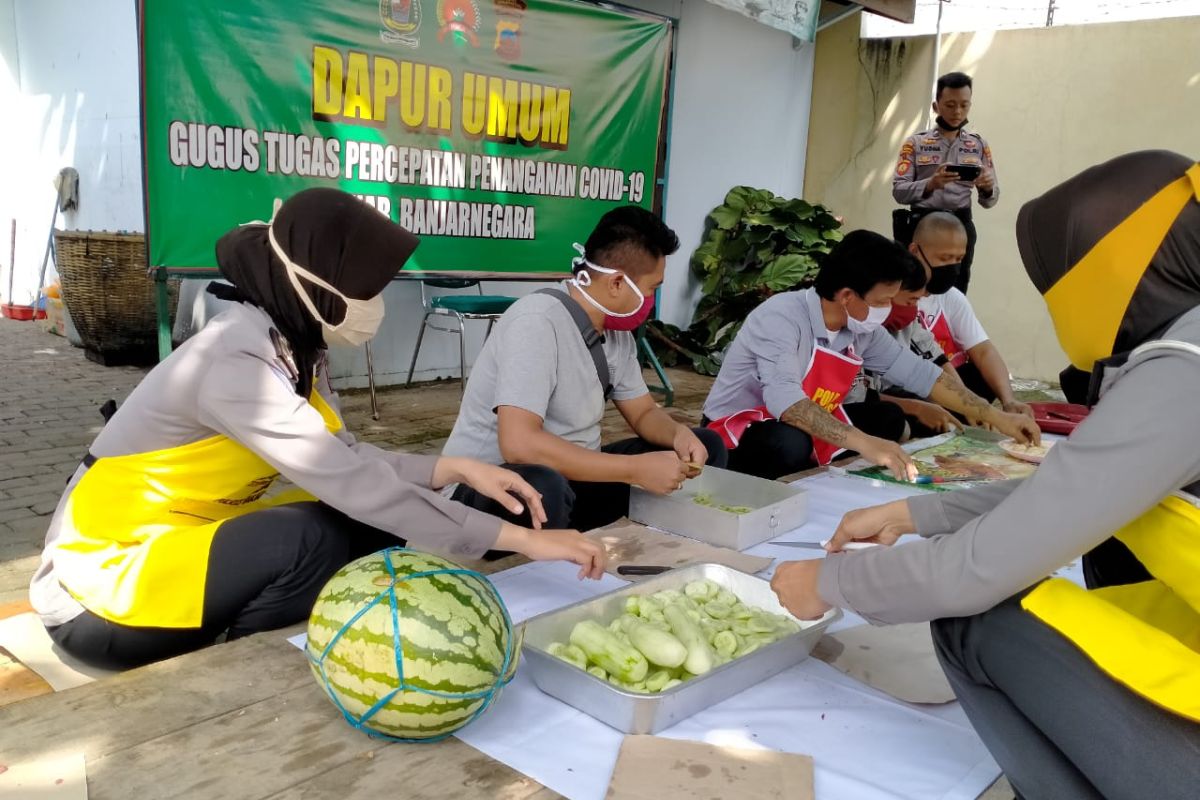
[940,243]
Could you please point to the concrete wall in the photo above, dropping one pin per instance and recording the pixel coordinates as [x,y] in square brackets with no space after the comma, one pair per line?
[988,15]
[74,69]
[740,116]
[1050,102]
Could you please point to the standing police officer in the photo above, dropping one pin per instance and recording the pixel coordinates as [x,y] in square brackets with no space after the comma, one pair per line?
[937,169]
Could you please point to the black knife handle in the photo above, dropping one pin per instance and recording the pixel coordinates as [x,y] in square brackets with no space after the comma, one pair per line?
[634,569]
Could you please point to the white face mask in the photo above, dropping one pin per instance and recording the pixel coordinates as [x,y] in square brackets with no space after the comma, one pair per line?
[582,280]
[876,316]
[362,319]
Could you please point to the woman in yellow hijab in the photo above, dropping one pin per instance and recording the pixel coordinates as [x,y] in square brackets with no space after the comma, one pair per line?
[166,537]
[1077,692]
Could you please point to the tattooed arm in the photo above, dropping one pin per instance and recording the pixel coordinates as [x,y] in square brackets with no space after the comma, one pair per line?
[820,424]
[950,392]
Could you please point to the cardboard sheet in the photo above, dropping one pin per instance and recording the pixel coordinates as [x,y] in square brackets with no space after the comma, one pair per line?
[654,768]
[25,637]
[896,659]
[633,543]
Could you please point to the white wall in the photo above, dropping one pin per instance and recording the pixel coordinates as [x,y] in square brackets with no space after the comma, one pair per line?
[740,117]
[77,102]
[741,108]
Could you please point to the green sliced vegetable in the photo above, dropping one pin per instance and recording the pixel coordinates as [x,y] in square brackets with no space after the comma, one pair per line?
[659,647]
[649,607]
[605,649]
[725,643]
[667,596]
[718,610]
[742,611]
[568,653]
[748,647]
[658,680]
[700,656]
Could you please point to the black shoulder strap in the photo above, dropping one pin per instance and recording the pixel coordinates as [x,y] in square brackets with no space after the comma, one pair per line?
[591,339]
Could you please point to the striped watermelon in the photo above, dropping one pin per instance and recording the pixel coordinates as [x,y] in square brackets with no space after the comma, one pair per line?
[456,647]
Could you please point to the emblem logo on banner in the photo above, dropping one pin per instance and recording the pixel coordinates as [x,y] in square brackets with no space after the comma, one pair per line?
[508,28]
[400,19]
[460,20]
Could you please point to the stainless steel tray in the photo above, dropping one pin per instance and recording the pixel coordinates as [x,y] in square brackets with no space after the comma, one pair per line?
[650,713]
[776,508]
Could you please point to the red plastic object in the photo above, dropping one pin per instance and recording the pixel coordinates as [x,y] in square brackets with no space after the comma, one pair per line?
[1058,417]
[22,313]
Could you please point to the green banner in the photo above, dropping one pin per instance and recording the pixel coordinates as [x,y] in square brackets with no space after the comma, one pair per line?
[497,130]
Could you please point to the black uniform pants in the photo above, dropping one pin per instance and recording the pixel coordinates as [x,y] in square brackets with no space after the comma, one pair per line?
[773,449]
[1058,726]
[265,570]
[582,505]
[904,222]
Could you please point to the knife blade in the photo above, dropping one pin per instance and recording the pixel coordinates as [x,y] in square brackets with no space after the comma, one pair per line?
[984,435]
[821,545]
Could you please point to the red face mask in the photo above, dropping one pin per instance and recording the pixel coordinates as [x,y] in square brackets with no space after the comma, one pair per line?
[900,318]
[631,323]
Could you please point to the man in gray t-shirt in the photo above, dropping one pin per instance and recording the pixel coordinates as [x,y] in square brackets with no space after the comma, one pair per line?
[535,399]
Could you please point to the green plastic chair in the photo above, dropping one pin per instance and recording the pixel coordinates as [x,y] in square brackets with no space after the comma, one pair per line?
[460,308]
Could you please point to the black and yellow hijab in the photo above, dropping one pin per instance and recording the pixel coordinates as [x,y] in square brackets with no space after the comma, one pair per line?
[1115,252]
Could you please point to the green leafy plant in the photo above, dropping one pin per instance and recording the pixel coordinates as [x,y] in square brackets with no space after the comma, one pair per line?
[756,244]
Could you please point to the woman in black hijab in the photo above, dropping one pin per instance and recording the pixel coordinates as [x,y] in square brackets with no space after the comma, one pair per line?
[319,235]
[165,538]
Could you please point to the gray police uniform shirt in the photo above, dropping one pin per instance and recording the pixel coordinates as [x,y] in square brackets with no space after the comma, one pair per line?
[982,546]
[227,380]
[535,360]
[917,338]
[767,362]
[923,153]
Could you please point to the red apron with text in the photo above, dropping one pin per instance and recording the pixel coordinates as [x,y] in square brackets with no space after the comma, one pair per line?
[940,328]
[827,380]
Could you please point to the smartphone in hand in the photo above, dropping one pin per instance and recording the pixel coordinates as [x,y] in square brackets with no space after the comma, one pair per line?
[965,172]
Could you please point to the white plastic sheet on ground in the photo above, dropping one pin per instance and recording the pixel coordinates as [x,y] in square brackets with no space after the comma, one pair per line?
[865,744]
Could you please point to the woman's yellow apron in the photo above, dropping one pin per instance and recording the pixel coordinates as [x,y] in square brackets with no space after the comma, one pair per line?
[138,528]
[1144,635]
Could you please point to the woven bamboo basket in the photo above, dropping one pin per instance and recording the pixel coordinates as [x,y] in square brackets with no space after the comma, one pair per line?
[109,294]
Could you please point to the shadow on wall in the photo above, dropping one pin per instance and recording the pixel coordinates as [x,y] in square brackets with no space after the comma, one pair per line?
[898,105]
[1050,102]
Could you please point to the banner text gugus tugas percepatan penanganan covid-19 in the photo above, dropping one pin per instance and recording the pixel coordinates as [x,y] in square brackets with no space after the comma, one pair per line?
[497,130]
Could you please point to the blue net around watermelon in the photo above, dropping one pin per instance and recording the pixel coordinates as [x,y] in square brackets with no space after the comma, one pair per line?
[410,646]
